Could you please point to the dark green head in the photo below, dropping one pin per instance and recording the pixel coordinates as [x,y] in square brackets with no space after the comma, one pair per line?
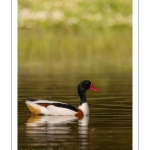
[82,87]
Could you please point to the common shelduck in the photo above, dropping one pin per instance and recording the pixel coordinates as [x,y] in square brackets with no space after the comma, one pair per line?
[46,107]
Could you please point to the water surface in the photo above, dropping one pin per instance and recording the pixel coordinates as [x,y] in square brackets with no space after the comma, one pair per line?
[108,127]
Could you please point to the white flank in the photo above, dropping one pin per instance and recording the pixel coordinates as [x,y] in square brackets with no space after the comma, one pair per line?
[60,111]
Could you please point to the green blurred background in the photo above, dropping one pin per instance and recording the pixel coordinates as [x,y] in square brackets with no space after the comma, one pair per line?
[74,36]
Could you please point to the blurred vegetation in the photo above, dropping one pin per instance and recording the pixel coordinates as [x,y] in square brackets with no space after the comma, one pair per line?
[77,35]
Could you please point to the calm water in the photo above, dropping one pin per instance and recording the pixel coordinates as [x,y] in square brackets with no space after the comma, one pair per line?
[109,126]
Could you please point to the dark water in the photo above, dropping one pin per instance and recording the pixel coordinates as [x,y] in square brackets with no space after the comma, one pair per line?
[109,126]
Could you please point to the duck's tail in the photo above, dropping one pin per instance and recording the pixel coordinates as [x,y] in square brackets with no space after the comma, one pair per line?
[24,100]
[30,99]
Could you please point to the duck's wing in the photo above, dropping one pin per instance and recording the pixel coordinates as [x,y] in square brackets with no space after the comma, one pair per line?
[62,109]
[47,107]
[65,106]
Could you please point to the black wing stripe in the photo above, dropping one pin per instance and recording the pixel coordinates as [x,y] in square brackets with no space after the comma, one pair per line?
[31,99]
[65,106]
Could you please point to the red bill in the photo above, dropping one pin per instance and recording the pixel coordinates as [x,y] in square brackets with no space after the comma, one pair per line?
[93,88]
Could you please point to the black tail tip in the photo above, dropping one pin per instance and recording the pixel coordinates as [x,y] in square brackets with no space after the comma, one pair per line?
[24,100]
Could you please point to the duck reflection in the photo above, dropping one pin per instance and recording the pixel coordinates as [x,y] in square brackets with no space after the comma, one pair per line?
[40,121]
[83,133]
[57,131]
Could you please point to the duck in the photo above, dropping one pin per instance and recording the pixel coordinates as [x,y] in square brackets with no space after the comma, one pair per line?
[55,108]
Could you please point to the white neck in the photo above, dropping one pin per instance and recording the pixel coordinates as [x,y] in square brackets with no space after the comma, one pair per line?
[85,108]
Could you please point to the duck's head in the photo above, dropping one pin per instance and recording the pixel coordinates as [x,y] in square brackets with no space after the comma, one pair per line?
[86,85]
[83,87]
